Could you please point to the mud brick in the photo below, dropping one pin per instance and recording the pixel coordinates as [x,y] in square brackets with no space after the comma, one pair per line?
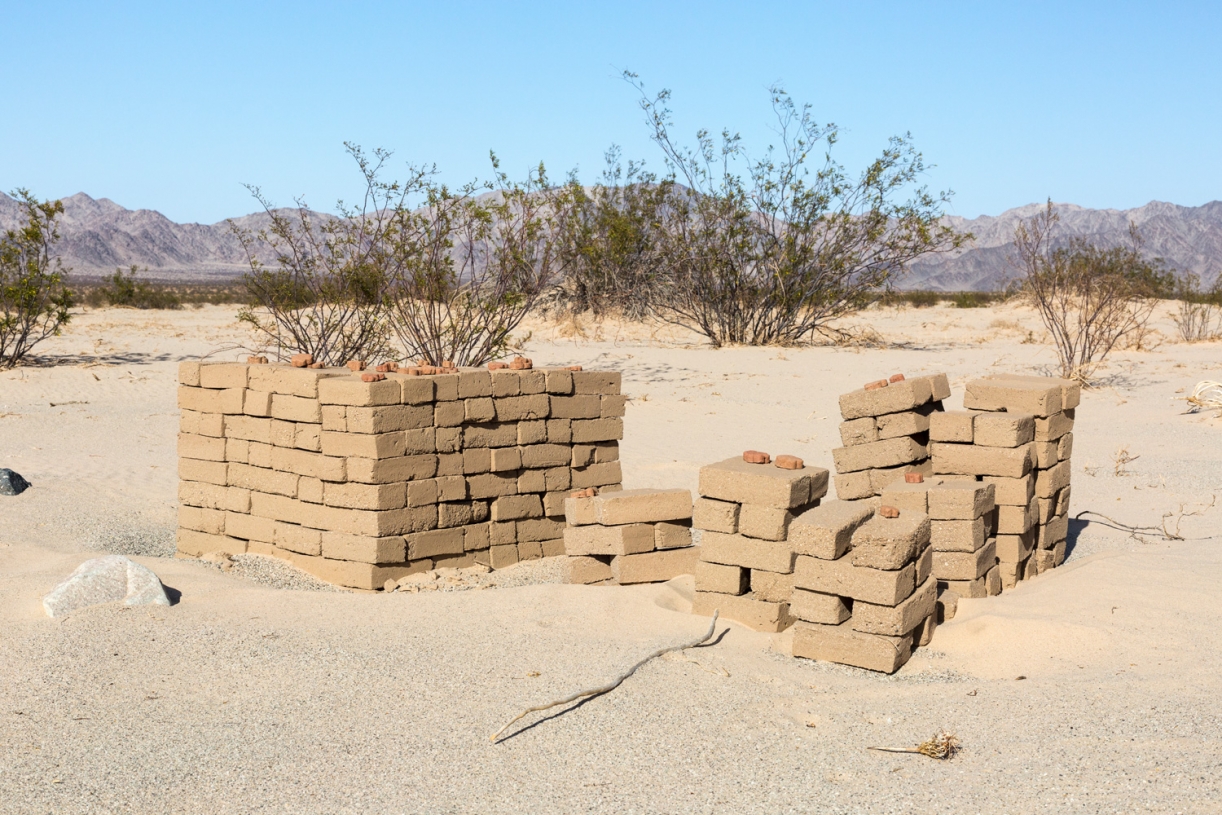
[1065,447]
[951,426]
[973,589]
[529,550]
[221,375]
[532,432]
[334,418]
[600,382]
[521,408]
[303,462]
[858,431]
[766,523]
[388,418]
[308,437]
[582,455]
[532,481]
[298,539]
[236,450]
[415,390]
[1045,454]
[558,380]
[605,451]
[939,386]
[257,403]
[588,430]
[842,578]
[452,514]
[205,448]
[505,383]
[209,472]
[1051,481]
[813,607]
[448,440]
[367,496]
[826,531]
[907,423]
[354,445]
[478,410]
[500,534]
[560,431]
[643,506]
[434,543]
[539,529]
[958,536]
[490,435]
[388,470]
[896,621]
[743,483]
[248,527]
[203,424]
[476,460]
[715,577]
[654,567]
[1071,391]
[597,475]
[198,544]
[923,634]
[310,490]
[474,383]
[586,570]
[759,615]
[1010,574]
[668,535]
[845,646]
[449,414]
[213,496]
[879,454]
[445,388]
[882,478]
[228,401]
[964,565]
[960,499]
[505,459]
[553,547]
[1053,427]
[353,392]
[908,497]
[518,507]
[553,504]
[854,486]
[295,409]
[421,493]
[1003,429]
[259,455]
[1013,395]
[366,576]
[1046,508]
[1043,559]
[1031,566]
[188,373]
[1058,553]
[1053,532]
[1063,501]
[584,406]
[901,396]
[546,455]
[751,553]
[580,511]
[475,536]
[770,586]
[614,406]
[948,604]
[557,478]
[973,459]
[284,434]
[1015,520]
[1015,548]
[715,516]
[288,380]
[890,543]
[924,565]
[1012,491]
[211,521]
[608,540]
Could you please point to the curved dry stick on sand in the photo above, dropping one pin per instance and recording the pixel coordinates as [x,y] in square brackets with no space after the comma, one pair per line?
[614,683]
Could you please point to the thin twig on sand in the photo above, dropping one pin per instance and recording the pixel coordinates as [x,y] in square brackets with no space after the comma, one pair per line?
[1162,531]
[942,745]
[614,683]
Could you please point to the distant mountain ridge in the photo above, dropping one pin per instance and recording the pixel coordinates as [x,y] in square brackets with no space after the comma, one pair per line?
[100,236]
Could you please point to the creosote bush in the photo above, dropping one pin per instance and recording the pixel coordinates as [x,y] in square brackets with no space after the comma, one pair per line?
[125,290]
[34,301]
[1198,314]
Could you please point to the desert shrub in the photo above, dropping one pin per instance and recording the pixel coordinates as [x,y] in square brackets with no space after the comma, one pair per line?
[326,293]
[34,301]
[1089,298]
[126,291]
[770,250]
[1197,315]
[968,299]
[921,299]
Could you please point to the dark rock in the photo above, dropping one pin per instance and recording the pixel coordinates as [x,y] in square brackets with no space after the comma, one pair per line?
[12,483]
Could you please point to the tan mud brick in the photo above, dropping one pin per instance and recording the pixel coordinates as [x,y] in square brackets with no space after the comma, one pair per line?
[500,534]
[304,462]
[257,403]
[1015,520]
[766,523]
[351,391]
[420,441]
[1049,534]
[715,516]
[890,543]
[1012,395]
[844,646]
[203,424]
[906,395]
[490,435]
[1063,501]
[1003,429]
[474,383]
[1051,481]
[736,480]
[939,386]
[972,589]
[858,431]
[826,531]
[476,536]
[198,544]
[1046,508]
[532,480]
[1065,447]
[505,383]
[388,470]
[539,529]
[259,455]
[358,445]
[972,459]
[199,519]
[600,382]
[879,454]
[586,570]
[553,504]
[365,496]
[585,406]
[298,539]
[188,373]
[205,448]
[288,380]
[715,577]
[558,381]
[1015,548]
[476,460]
[222,375]
[1043,559]
[582,455]
[295,409]
[340,546]
[908,497]
[449,440]
[249,527]
[491,485]
[559,478]
[854,486]
[948,604]
[1071,391]
[643,506]
[449,414]
[310,489]
[249,428]
[209,472]
[553,547]
[522,408]
[559,431]
[770,586]
[958,536]
[388,418]
[453,514]
[422,493]
[348,573]
[614,406]
[654,567]
[1045,454]
[478,410]
[214,496]
[284,434]
[1012,491]
[759,615]
[597,475]
[842,578]
[964,565]
[923,634]
[445,388]
[924,565]
[581,511]
[896,621]
[435,543]
[1010,574]
[237,450]
[308,437]
[415,390]
[588,430]
[813,607]
[882,478]
[668,535]
[503,556]
[1031,566]
[608,540]
[951,426]
[751,553]
[907,423]
[529,550]
[1058,553]
[547,455]
[505,459]
[1053,427]
[228,401]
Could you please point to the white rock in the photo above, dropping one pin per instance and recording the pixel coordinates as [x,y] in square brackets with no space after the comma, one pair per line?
[106,580]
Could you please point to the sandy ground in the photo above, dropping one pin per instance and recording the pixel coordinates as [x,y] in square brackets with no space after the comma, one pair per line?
[1093,688]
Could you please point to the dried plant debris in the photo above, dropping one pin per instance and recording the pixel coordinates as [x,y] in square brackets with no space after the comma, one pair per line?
[941,745]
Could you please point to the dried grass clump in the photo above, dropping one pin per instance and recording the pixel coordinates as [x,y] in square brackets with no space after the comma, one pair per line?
[1207,394]
[941,745]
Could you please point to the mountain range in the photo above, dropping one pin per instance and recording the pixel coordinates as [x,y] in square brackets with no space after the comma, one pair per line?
[99,236]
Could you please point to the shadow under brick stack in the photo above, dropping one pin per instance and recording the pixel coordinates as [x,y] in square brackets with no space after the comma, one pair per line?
[364,478]
[885,433]
[864,590]
[1016,436]
[629,536]
[744,512]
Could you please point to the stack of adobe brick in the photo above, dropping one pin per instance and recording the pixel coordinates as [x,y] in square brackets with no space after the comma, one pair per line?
[744,513]
[629,536]
[885,433]
[362,479]
[864,589]
[1017,437]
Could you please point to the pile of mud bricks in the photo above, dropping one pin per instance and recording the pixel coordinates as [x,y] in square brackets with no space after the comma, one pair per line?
[629,536]
[364,482]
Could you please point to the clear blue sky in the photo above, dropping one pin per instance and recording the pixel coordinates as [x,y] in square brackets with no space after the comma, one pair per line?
[171,106]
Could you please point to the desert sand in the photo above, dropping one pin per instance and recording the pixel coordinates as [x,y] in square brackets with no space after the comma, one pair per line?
[1092,688]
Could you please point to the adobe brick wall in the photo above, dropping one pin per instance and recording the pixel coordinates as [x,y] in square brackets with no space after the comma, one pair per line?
[363,482]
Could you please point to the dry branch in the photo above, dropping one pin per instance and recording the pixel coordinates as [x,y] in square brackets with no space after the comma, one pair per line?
[942,745]
[613,684]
